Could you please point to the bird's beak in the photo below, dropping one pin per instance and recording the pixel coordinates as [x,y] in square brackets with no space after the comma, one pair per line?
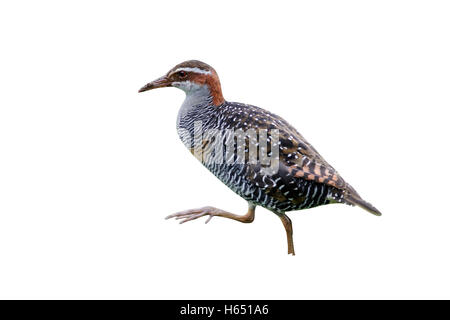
[158,83]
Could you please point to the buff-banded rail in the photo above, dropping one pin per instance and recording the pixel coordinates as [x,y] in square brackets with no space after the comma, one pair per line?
[256,153]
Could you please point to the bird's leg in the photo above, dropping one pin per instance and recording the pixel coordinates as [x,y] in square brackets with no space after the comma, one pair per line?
[288,226]
[189,215]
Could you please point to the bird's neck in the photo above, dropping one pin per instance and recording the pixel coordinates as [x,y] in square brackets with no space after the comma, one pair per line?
[198,94]
[195,97]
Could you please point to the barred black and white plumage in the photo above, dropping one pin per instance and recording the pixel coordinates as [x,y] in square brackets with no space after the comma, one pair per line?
[302,179]
[280,192]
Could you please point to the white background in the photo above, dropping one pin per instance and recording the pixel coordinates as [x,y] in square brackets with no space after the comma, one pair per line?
[89,168]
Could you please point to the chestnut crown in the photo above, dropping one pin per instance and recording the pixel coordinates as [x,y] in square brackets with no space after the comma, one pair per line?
[191,76]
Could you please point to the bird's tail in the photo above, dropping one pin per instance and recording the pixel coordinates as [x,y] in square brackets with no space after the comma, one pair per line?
[357,201]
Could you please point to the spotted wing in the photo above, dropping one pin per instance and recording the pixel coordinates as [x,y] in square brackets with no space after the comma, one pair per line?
[303,161]
[298,158]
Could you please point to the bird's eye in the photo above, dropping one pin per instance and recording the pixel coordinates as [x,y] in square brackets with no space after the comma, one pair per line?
[182,74]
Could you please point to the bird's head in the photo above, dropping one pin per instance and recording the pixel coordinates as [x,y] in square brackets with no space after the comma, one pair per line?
[191,76]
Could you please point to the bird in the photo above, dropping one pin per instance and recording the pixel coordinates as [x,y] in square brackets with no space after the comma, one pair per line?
[207,123]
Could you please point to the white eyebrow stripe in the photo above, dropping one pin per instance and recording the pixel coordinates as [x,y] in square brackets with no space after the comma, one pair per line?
[196,70]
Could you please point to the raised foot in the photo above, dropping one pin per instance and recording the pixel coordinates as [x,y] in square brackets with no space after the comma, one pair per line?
[192,214]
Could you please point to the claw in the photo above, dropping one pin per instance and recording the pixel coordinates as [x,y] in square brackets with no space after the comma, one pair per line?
[192,217]
[209,218]
[189,215]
